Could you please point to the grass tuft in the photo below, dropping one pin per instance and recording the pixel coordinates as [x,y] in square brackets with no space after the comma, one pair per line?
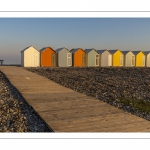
[138,104]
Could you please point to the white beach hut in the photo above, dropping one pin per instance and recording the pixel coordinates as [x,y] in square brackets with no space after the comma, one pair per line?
[30,57]
[105,58]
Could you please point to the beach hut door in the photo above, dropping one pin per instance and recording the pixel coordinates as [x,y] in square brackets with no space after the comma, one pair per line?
[53,59]
[109,60]
[83,60]
[69,59]
[143,60]
[97,60]
[35,59]
[121,60]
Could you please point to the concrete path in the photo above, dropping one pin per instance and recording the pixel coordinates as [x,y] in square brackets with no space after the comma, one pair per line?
[65,110]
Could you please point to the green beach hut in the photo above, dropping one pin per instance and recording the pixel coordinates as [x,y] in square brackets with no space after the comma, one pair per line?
[93,57]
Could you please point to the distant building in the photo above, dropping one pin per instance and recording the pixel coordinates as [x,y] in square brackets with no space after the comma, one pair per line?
[48,57]
[30,57]
[79,57]
[117,57]
[93,57]
[105,58]
[129,58]
[139,58]
[64,57]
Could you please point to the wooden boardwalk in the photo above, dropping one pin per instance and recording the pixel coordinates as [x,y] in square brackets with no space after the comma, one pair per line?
[65,110]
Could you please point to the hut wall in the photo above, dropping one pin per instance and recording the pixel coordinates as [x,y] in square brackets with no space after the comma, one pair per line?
[31,58]
[105,58]
[92,58]
[63,59]
[116,58]
[148,60]
[46,57]
[128,59]
[139,59]
[78,58]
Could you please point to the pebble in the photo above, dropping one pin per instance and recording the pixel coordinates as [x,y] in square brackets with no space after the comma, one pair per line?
[16,115]
[106,84]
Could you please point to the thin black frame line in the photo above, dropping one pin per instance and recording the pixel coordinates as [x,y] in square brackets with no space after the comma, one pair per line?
[78,138]
[75,11]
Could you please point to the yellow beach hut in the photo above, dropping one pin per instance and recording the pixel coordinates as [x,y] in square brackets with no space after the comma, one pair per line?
[139,58]
[117,57]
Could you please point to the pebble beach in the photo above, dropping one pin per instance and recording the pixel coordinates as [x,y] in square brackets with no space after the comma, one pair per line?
[107,84]
[16,115]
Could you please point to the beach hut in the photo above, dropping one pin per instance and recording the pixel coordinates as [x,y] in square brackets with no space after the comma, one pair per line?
[48,57]
[105,58]
[129,58]
[79,57]
[64,57]
[147,58]
[30,57]
[93,57]
[117,57]
[139,58]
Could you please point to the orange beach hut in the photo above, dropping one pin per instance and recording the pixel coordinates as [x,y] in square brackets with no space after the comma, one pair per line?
[48,57]
[79,57]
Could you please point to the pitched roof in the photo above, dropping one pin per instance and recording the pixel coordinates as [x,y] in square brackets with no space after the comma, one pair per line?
[146,52]
[113,51]
[136,52]
[125,52]
[59,49]
[44,48]
[90,49]
[75,49]
[28,48]
[101,51]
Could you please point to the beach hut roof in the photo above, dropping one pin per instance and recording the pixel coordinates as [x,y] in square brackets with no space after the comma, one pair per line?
[44,48]
[136,52]
[59,49]
[146,52]
[90,49]
[28,48]
[101,51]
[113,51]
[74,50]
[125,52]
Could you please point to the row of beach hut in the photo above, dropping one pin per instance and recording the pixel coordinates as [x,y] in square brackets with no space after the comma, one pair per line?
[62,57]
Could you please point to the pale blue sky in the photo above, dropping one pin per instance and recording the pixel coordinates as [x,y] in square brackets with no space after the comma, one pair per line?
[99,33]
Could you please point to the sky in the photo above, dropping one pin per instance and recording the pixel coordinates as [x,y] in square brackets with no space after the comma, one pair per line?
[99,33]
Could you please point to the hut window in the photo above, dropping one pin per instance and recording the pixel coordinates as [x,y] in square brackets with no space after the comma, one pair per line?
[97,60]
[143,60]
[133,60]
[69,59]
[121,60]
